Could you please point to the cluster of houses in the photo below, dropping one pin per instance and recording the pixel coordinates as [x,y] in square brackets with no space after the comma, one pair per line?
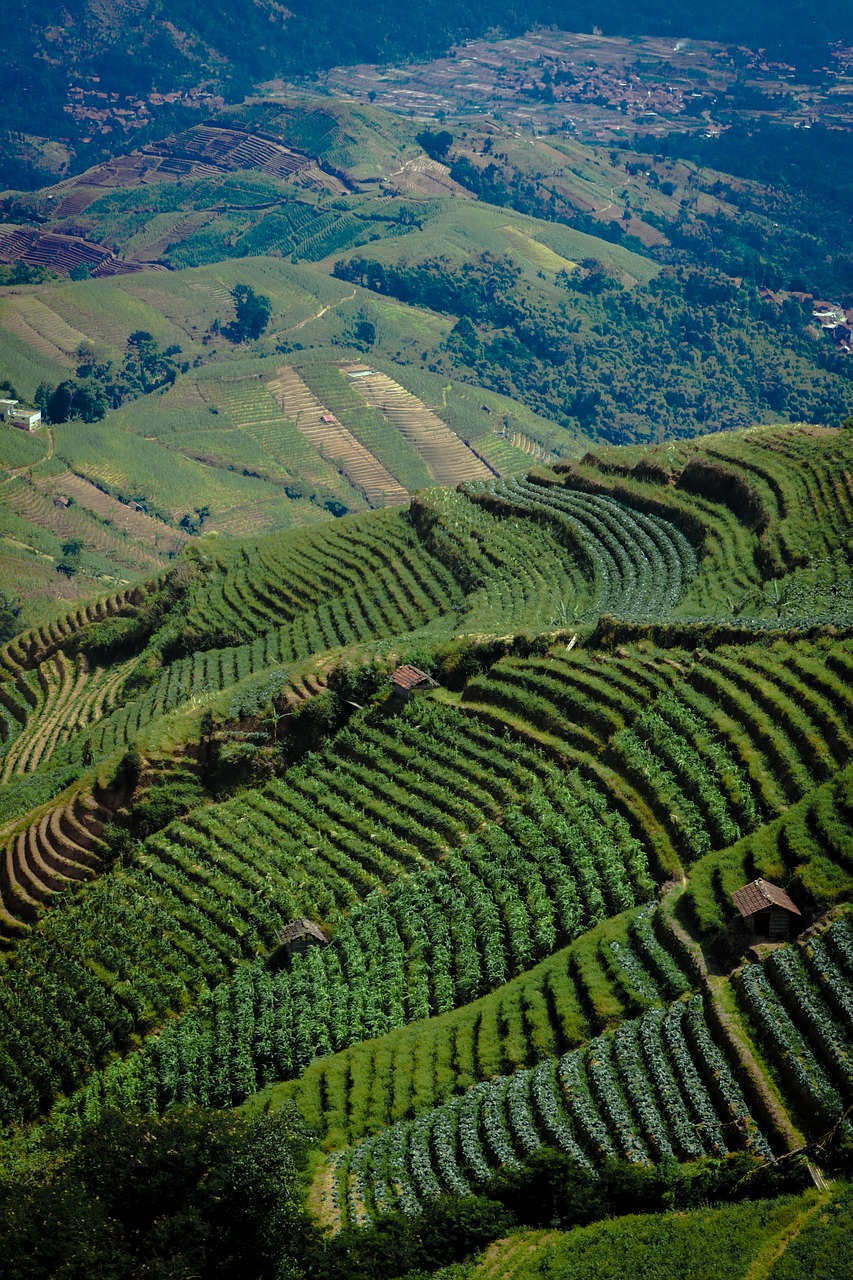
[831,317]
[16,415]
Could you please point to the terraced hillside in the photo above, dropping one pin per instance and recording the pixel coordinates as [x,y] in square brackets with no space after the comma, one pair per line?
[523,877]
[334,441]
[444,454]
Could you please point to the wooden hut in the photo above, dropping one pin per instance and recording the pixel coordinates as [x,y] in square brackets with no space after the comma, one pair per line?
[295,939]
[408,680]
[766,908]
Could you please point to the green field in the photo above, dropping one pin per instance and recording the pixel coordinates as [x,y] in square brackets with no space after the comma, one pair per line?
[528,1020]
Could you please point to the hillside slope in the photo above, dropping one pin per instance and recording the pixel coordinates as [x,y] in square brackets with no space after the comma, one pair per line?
[533,961]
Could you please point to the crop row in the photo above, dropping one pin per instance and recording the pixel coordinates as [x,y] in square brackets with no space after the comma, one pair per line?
[517,572]
[377,561]
[431,942]
[385,589]
[710,745]
[617,969]
[642,563]
[810,848]
[800,1007]
[659,1086]
[69,695]
[218,887]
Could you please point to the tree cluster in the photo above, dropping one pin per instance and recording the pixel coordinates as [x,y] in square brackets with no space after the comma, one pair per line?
[687,353]
[193,1194]
[99,386]
[253,311]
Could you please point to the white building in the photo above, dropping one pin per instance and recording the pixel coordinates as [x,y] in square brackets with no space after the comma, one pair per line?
[24,419]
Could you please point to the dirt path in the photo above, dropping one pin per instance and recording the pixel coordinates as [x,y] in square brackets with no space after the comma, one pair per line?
[31,466]
[761,1267]
[321,312]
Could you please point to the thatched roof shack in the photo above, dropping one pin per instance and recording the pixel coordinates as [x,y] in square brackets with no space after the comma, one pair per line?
[408,680]
[295,939]
[767,908]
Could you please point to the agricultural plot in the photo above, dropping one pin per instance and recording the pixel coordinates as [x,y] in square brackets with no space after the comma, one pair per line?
[660,1085]
[40,503]
[506,457]
[29,319]
[172,484]
[799,1004]
[144,531]
[266,588]
[449,459]
[704,748]
[32,578]
[315,844]
[332,439]
[455,226]
[59,253]
[759,505]
[435,954]
[56,851]
[484,861]
[615,970]
[727,1242]
[517,573]
[641,564]
[809,846]
[368,426]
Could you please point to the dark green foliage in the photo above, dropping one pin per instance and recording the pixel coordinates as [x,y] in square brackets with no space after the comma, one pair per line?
[446,1230]
[130,768]
[72,401]
[9,613]
[435,145]
[194,1194]
[724,484]
[551,1190]
[70,562]
[622,364]
[253,314]
[809,174]
[164,801]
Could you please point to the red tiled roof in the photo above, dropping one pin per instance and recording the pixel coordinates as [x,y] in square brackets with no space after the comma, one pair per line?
[408,677]
[760,895]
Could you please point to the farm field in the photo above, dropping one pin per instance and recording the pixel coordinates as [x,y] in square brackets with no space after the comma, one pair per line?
[426,701]
[523,879]
[728,1241]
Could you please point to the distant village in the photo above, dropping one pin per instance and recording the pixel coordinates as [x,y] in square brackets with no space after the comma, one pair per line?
[830,317]
[103,112]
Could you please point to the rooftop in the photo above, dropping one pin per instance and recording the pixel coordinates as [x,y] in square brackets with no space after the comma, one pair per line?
[759,895]
[408,677]
[299,927]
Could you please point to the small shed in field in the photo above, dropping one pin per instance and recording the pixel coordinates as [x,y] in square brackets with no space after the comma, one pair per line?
[767,908]
[296,938]
[408,680]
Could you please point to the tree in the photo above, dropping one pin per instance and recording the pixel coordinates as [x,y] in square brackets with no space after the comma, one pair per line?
[253,314]
[9,612]
[194,1193]
[436,145]
[72,401]
[70,562]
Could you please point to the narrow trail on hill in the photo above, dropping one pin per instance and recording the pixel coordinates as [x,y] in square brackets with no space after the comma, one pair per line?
[321,312]
[30,466]
[760,1269]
